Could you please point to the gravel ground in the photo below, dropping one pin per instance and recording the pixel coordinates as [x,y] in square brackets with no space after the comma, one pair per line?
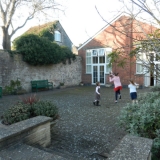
[83,130]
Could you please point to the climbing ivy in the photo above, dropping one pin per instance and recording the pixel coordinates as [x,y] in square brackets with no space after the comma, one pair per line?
[40,50]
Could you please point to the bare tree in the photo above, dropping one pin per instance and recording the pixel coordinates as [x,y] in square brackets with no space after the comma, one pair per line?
[13,12]
[147,11]
[147,51]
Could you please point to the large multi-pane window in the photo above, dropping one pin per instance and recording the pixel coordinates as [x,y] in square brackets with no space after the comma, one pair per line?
[97,56]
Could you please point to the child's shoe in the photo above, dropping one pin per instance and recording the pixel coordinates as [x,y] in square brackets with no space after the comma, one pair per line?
[97,104]
[94,103]
[115,101]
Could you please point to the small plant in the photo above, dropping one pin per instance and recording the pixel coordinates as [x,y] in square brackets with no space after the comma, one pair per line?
[13,87]
[61,83]
[29,99]
[45,108]
[16,113]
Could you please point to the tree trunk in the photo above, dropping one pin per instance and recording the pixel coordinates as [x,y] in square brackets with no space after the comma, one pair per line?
[6,43]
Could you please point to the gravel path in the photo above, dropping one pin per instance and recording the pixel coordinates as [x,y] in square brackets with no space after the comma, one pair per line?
[83,130]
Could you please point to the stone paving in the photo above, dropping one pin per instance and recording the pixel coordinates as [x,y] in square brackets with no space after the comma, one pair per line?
[83,130]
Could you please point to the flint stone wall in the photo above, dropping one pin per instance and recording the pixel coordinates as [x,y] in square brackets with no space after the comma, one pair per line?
[14,67]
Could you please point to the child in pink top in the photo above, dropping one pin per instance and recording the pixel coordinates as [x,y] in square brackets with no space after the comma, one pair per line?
[117,85]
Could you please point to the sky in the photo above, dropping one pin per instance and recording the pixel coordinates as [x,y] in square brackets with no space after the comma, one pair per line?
[80,19]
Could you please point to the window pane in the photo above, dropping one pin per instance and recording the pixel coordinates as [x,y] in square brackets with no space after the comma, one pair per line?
[88,69]
[101,59]
[95,60]
[57,36]
[95,74]
[139,68]
[101,74]
[95,52]
[88,53]
[101,52]
[88,60]
[107,59]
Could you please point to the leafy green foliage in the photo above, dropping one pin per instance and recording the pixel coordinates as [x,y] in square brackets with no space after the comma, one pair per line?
[115,57]
[67,54]
[16,113]
[29,107]
[45,108]
[47,34]
[155,88]
[13,87]
[156,147]
[143,119]
[40,50]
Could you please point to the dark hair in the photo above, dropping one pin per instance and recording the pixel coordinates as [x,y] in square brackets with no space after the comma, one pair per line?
[116,74]
[97,83]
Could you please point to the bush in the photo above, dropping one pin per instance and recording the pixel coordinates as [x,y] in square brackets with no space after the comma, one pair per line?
[143,119]
[37,50]
[29,107]
[155,88]
[16,113]
[13,88]
[45,108]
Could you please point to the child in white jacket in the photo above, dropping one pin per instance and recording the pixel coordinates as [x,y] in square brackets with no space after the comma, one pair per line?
[133,91]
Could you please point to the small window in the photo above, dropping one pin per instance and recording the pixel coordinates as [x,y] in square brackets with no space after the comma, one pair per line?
[101,52]
[94,52]
[57,36]
[139,68]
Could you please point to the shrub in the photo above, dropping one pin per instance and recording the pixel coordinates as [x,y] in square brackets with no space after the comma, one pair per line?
[155,88]
[156,147]
[143,119]
[37,50]
[45,108]
[13,87]
[16,113]
[29,107]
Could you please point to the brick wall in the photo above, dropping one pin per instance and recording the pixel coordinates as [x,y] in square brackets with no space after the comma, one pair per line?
[111,37]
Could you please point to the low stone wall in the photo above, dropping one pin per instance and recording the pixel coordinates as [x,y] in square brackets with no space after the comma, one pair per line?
[31,131]
[14,67]
[133,148]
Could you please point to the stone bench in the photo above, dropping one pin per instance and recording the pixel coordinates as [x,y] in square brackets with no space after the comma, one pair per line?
[31,131]
[132,148]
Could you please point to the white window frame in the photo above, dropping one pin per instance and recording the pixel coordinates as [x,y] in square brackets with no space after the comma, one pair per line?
[139,63]
[57,36]
[88,61]
[108,69]
[94,53]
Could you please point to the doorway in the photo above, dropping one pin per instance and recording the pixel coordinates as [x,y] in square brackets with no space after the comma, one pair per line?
[98,74]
